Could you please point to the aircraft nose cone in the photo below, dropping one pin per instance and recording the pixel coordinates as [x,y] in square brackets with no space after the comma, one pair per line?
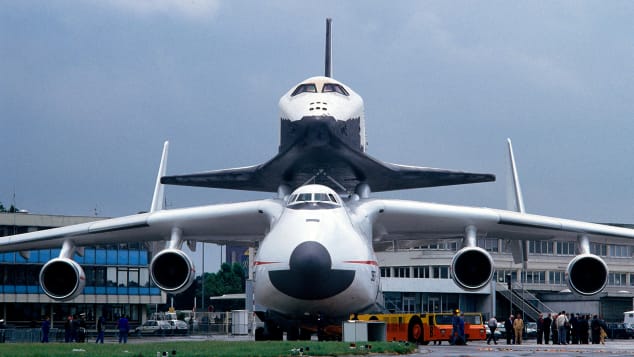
[310,275]
[310,259]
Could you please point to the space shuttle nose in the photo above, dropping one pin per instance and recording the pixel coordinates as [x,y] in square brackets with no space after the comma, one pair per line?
[310,259]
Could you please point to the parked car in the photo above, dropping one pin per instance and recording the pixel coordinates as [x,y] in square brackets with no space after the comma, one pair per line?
[620,330]
[531,330]
[154,327]
[179,327]
[501,329]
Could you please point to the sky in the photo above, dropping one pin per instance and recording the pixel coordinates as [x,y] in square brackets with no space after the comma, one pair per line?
[90,90]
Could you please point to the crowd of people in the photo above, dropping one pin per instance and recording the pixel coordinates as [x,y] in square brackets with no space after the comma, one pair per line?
[571,329]
[75,329]
[560,328]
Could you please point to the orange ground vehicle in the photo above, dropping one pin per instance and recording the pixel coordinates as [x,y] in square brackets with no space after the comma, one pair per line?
[426,327]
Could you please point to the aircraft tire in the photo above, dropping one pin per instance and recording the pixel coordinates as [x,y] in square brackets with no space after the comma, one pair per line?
[259,334]
[292,334]
[304,334]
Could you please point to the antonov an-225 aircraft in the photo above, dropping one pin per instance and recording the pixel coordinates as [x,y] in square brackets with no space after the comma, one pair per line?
[315,261]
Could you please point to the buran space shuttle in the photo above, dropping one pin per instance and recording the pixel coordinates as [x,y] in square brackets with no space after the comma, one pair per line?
[323,141]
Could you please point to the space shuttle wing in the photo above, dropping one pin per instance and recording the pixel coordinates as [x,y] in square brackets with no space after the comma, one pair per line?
[398,177]
[335,165]
[233,222]
[247,178]
[411,220]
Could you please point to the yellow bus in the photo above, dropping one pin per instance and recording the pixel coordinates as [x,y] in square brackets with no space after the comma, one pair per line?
[426,327]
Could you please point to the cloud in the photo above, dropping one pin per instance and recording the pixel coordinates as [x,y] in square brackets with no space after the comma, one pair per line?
[191,9]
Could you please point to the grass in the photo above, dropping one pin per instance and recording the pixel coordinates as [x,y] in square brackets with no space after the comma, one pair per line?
[205,348]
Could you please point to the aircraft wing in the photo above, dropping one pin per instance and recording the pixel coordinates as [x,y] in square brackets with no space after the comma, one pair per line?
[336,165]
[233,222]
[411,220]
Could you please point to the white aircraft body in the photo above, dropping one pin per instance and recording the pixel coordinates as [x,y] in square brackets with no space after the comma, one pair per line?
[315,259]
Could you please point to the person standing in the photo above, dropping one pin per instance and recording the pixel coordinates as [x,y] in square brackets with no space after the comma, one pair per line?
[595,328]
[546,328]
[518,328]
[101,329]
[584,326]
[562,322]
[508,330]
[575,328]
[68,325]
[456,338]
[124,327]
[493,325]
[46,327]
[74,329]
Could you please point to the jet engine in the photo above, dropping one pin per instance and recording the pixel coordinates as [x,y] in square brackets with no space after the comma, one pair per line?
[472,268]
[587,274]
[172,270]
[62,279]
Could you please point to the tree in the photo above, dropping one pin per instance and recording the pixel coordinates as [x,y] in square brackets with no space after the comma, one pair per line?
[230,279]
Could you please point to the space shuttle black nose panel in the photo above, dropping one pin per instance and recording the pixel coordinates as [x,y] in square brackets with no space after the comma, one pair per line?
[311,276]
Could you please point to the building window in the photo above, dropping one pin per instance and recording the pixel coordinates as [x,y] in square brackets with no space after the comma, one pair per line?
[488,244]
[440,272]
[616,279]
[535,277]
[599,249]
[503,273]
[566,248]
[557,277]
[401,272]
[144,279]
[385,272]
[619,251]
[540,247]
[450,245]
[421,272]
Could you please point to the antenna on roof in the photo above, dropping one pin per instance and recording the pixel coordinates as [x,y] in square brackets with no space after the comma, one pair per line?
[328,70]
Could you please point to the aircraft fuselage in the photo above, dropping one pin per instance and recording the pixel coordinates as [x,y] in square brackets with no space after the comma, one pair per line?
[315,260]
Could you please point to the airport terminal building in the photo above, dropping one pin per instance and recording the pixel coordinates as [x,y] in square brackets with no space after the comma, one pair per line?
[117,277]
[414,279]
[419,279]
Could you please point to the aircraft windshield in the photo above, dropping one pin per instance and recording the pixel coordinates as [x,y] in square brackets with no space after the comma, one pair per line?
[325,88]
[313,198]
[334,87]
[305,88]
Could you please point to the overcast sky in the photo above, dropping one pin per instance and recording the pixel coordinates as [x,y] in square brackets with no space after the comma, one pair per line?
[89,90]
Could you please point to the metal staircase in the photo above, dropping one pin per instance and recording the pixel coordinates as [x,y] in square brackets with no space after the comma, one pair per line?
[523,300]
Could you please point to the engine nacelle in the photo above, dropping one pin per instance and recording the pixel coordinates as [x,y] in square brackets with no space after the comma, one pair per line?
[62,279]
[472,268]
[587,274]
[172,270]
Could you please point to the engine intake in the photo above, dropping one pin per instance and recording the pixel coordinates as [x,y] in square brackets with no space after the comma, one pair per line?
[587,274]
[472,268]
[172,270]
[62,279]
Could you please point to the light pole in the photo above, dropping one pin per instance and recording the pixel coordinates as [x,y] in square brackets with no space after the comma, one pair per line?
[509,285]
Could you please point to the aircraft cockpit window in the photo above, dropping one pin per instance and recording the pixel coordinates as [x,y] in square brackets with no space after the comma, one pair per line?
[334,87]
[305,88]
[314,199]
[303,197]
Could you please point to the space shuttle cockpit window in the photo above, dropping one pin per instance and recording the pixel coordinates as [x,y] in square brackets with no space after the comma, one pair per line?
[334,87]
[305,88]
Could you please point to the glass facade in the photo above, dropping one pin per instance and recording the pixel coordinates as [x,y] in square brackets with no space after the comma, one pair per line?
[113,270]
